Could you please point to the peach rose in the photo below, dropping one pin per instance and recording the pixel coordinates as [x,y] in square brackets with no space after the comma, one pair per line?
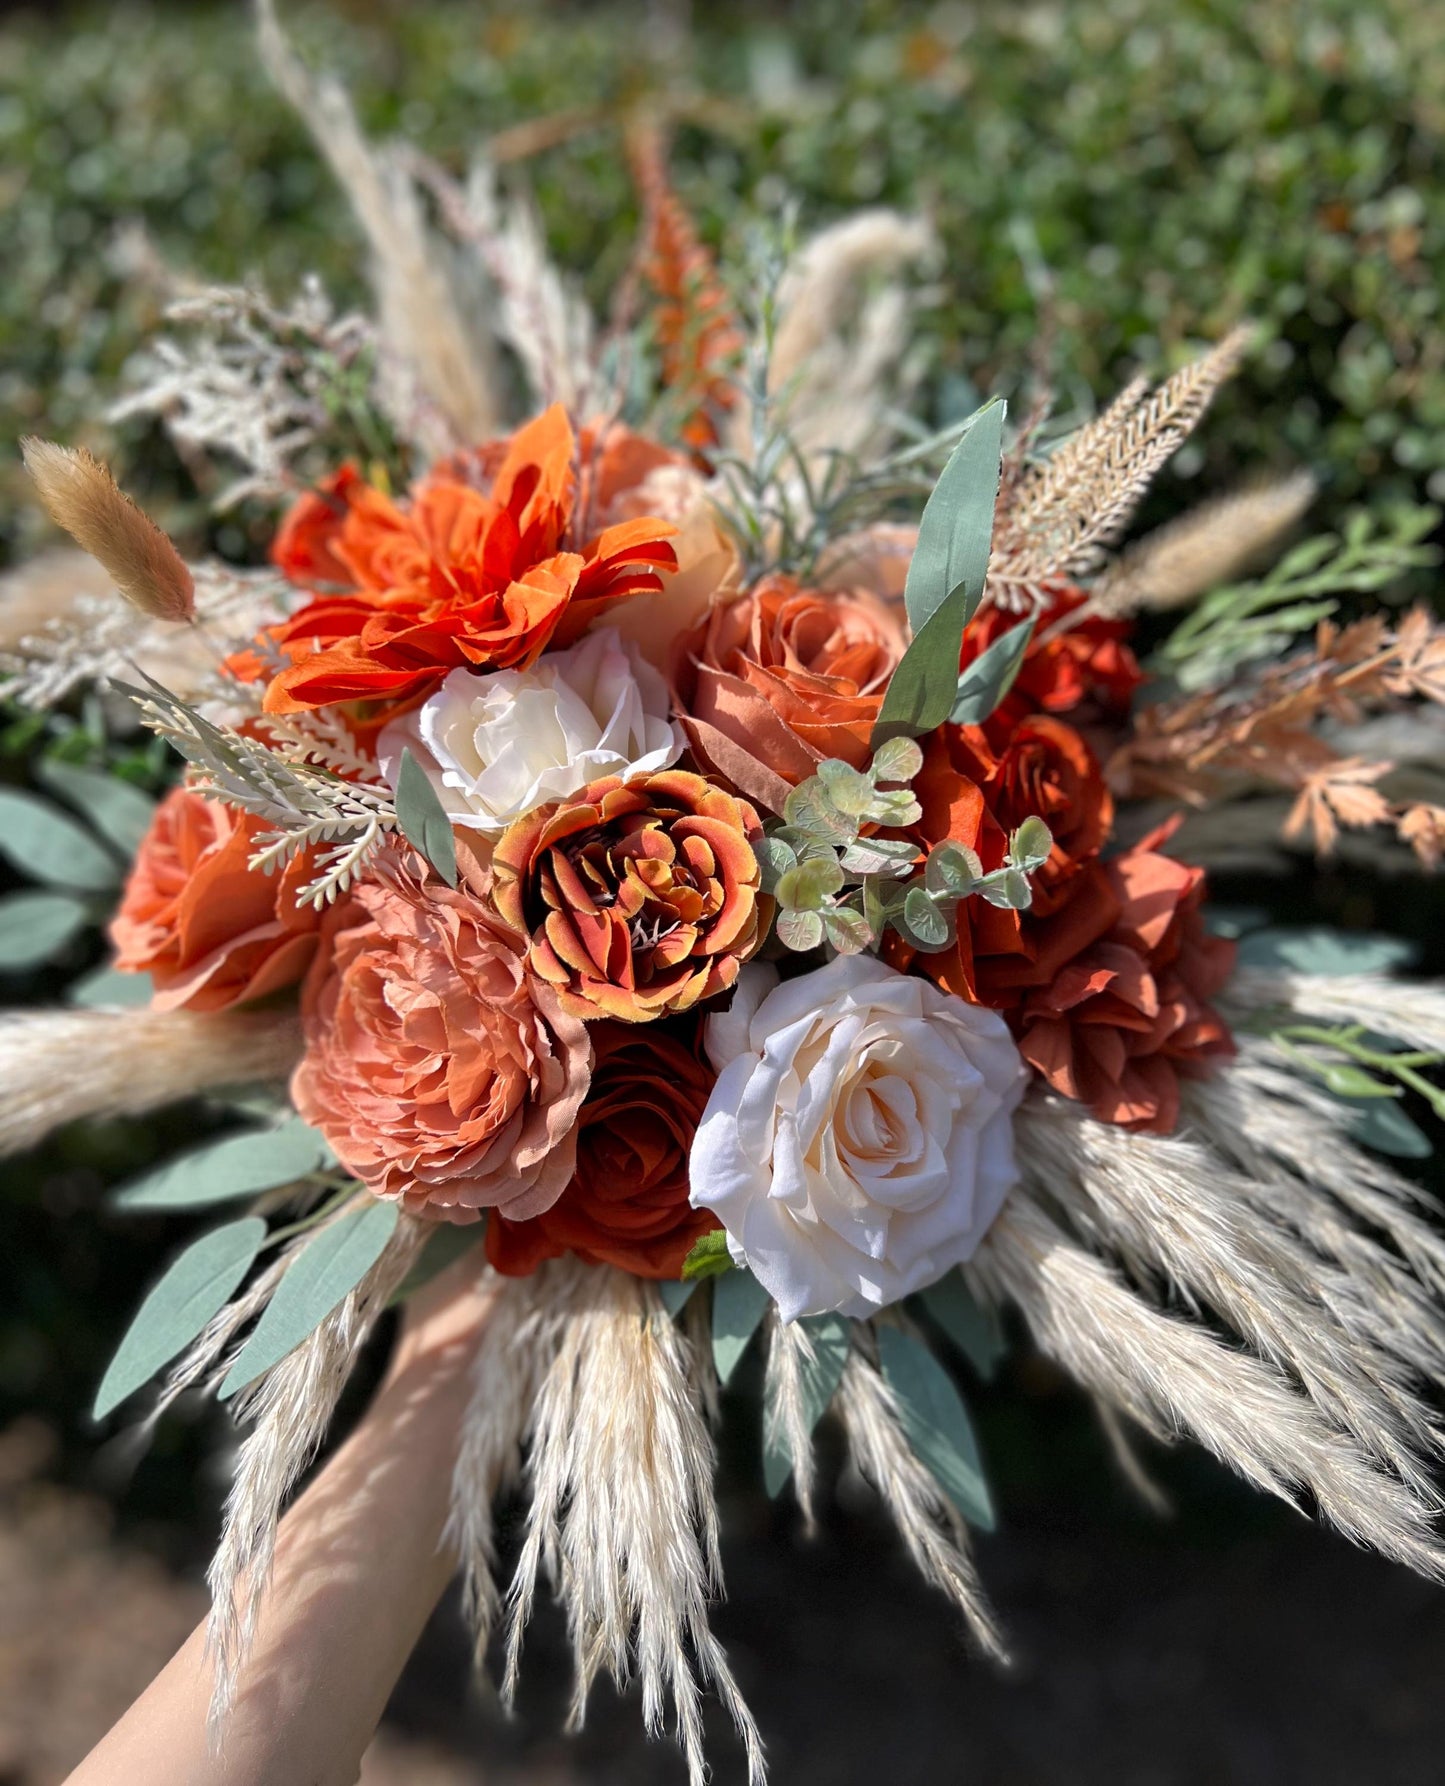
[439,1070]
[211,931]
[628,1204]
[640,897]
[770,684]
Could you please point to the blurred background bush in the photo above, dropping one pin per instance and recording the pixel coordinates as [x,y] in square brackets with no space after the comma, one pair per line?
[1112,183]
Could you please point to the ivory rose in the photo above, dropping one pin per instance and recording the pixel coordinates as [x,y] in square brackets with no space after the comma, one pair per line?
[494,747]
[859,1140]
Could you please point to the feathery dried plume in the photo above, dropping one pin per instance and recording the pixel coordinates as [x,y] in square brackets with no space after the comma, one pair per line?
[1209,545]
[623,1517]
[421,319]
[1171,1376]
[1067,510]
[291,1407]
[1413,1011]
[82,497]
[790,1353]
[60,1066]
[927,1521]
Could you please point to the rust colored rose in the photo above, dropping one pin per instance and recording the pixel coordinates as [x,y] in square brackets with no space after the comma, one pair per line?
[640,897]
[628,1203]
[1087,670]
[211,931]
[439,1070]
[1119,1025]
[770,684]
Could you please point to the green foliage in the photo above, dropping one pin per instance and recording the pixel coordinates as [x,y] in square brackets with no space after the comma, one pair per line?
[985,682]
[708,1257]
[974,1329]
[936,1423]
[423,819]
[234,1167]
[739,1303]
[1243,622]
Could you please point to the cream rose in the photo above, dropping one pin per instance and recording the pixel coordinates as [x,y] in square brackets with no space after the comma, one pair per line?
[859,1140]
[496,746]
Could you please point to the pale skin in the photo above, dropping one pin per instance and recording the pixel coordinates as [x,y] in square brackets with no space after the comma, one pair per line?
[360,1564]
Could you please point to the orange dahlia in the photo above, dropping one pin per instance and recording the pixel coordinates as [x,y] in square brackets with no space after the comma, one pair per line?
[640,897]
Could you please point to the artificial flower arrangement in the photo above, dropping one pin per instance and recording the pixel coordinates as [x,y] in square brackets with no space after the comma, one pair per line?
[723,904]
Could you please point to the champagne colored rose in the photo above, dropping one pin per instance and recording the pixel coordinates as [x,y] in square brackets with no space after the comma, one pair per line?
[494,747]
[859,1140]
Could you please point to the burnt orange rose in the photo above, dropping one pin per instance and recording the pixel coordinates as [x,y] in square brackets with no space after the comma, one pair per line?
[640,897]
[439,1070]
[211,931]
[455,577]
[628,1203]
[770,684]
[1119,1025]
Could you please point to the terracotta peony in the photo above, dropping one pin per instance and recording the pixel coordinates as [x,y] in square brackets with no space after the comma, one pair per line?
[628,1203]
[456,577]
[211,931]
[441,1073]
[640,897]
[770,684]
[1121,1022]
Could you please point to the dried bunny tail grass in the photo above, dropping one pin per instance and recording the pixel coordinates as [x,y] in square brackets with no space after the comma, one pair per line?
[46,591]
[290,1408]
[1068,510]
[1170,1209]
[927,1521]
[59,1066]
[420,317]
[82,497]
[1204,548]
[623,1517]
[1171,1376]
[785,1420]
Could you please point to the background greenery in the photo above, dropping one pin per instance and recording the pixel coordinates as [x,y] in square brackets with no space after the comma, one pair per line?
[1115,181]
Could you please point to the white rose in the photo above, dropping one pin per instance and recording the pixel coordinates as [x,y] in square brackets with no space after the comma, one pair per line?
[496,746]
[859,1140]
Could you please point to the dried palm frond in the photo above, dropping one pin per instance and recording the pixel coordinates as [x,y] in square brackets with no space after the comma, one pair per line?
[454,402]
[60,1066]
[1209,545]
[1068,509]
[81,496]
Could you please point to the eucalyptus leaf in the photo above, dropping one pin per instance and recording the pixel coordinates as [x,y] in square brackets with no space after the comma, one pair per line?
[325,1271]
[810,884]
[196,1286]
[799,931]
[848,789]
[1382,1125]
[1316,949]
[957,526]
[237,1166]
[423,819]
[676,1294]
[926,924]
[921,690]
[811,811]
[118,809]
[50,846]
[739,1303]
[974,1329]
[1031,845]
[846,930]
[821,1375]
[107,985]
[991,675]
[775,858]
[936,1423]
[952,868]
[879,855]
[899,759]
[35,927]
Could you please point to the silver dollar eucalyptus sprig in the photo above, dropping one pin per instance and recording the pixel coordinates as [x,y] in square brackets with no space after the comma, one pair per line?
[837,882]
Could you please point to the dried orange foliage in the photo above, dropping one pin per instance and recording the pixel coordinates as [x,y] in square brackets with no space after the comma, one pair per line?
[697,332]
[1209,745]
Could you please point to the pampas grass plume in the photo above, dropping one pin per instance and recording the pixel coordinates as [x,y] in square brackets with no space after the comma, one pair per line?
[81,496]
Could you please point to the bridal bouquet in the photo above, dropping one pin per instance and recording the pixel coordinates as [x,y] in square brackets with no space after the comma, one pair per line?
[706,854]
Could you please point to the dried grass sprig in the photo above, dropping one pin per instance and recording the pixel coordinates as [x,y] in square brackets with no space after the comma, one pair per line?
[82,497]
[60,1066]
[786,1424]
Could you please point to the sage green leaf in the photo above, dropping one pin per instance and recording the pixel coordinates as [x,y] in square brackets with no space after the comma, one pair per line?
[775,857]
[423,819]
[676,1295]
[1316,949]
[973,1329]
[1346,1080]
[991,675]
[35,927]
[330,1265]
[899,759]
[118,809]
[920,692]
[1011,891]
[50,846]
[739,1303]
[957,525]
[952,868]
[806,887]
[450,1242]
[879,855]
[848,789]
[709,1256]
[936,1423]
[108,985]
[799,931]
[925,923]
[821,1376]
[1031,845]
[194,1287]
[811,811]
[1384,1126]
[849,932]
[237,1166]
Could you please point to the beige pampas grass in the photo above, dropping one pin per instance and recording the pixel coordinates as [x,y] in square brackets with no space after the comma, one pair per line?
[1209,546]
[59,1066]
[82,497]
